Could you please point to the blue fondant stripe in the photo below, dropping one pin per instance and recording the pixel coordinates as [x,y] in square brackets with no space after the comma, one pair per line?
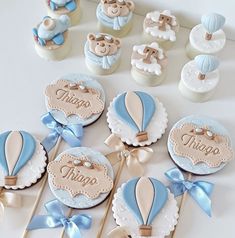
[3,162]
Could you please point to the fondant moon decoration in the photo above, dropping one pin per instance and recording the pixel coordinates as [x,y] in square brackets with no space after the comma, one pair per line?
[145,197]
[206,64]
[16,149]
[136,109]
[212,22]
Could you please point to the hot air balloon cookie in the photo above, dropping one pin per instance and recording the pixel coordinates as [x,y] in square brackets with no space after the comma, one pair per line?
[137,118]
[51,38]
[207,37]
[22,160]
[80,177]
[71,8]
[199,78]
[200,145]
[148,64]
[146,207]
[161,27]
[75,99]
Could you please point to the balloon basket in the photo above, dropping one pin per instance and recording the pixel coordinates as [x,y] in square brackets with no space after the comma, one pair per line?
[145,230]
[10,180]
[142,136]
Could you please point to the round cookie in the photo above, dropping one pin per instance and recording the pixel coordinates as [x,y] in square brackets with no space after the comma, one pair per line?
[75,99]
[137,118]
[22,160]
[146,207]
[80,177]
[199,145]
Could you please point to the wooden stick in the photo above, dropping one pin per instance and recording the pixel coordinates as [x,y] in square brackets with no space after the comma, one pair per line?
[116,180]
[39,195]
[68,215]
[182,202]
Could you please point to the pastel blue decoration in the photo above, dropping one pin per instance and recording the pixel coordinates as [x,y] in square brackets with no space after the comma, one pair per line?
[68,4]
[51,29]
[159,198]
[206,63]
[212,22]
[105,62]
[27,145]
[147,109]
[115,23]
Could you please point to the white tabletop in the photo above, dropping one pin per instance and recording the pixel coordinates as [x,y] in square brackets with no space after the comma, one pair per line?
[24,77]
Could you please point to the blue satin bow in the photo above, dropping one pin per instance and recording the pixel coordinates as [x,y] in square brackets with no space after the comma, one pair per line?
[200,191]
[57,218]
[70,133]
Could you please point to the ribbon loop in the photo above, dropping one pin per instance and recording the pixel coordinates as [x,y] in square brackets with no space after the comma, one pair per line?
[57,218]
[200,191]
[70,133]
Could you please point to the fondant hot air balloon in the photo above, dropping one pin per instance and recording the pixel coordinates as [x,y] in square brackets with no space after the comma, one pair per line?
[145,197]
[16,149]
[136,109]
[206,64]
[212,22]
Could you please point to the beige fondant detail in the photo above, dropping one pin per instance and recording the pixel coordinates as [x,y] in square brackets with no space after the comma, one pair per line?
[13,147]
[73,102]
[79,179]
[199,147]
[144,193]
[145,231]
[150,52]
[134,107]
[163,20]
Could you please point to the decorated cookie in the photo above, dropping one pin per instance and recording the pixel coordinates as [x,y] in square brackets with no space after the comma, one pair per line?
[200,145]
[75,99]
[80,177]
[161,27]
[146,207]
[148,64]
[137,118]
[199,78]
[71,8]
[115,16]
[102,53]
[207,37]
[22,160]
[51,38]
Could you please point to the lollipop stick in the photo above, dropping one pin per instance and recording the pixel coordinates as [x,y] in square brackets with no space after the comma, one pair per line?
[182,202]
[116,180]
[43,183]
[68,215]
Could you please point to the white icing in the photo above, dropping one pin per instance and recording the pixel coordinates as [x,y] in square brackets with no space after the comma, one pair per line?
[154,67]
[31,172]
[189,76]
[155,129]
[198,41]
[162,225]
[168,34]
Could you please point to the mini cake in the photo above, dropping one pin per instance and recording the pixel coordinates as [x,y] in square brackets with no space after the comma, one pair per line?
[207,37]
[51,38]
[199,78]
[115,16]
[160,27]
[137,118]
[75,99]
[22,160]
[146,207]
[200,145]
[80,177]
[56,8]
[102,53]
[148,64]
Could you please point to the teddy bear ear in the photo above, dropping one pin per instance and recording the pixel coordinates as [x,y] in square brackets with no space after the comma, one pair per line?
[90,37]
[130,5]
[117,42]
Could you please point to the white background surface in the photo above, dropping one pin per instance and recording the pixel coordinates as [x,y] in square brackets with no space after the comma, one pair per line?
[24,77]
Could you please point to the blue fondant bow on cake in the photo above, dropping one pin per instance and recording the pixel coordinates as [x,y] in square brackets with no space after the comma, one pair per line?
[200,191]
[70,133]
[56,218]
